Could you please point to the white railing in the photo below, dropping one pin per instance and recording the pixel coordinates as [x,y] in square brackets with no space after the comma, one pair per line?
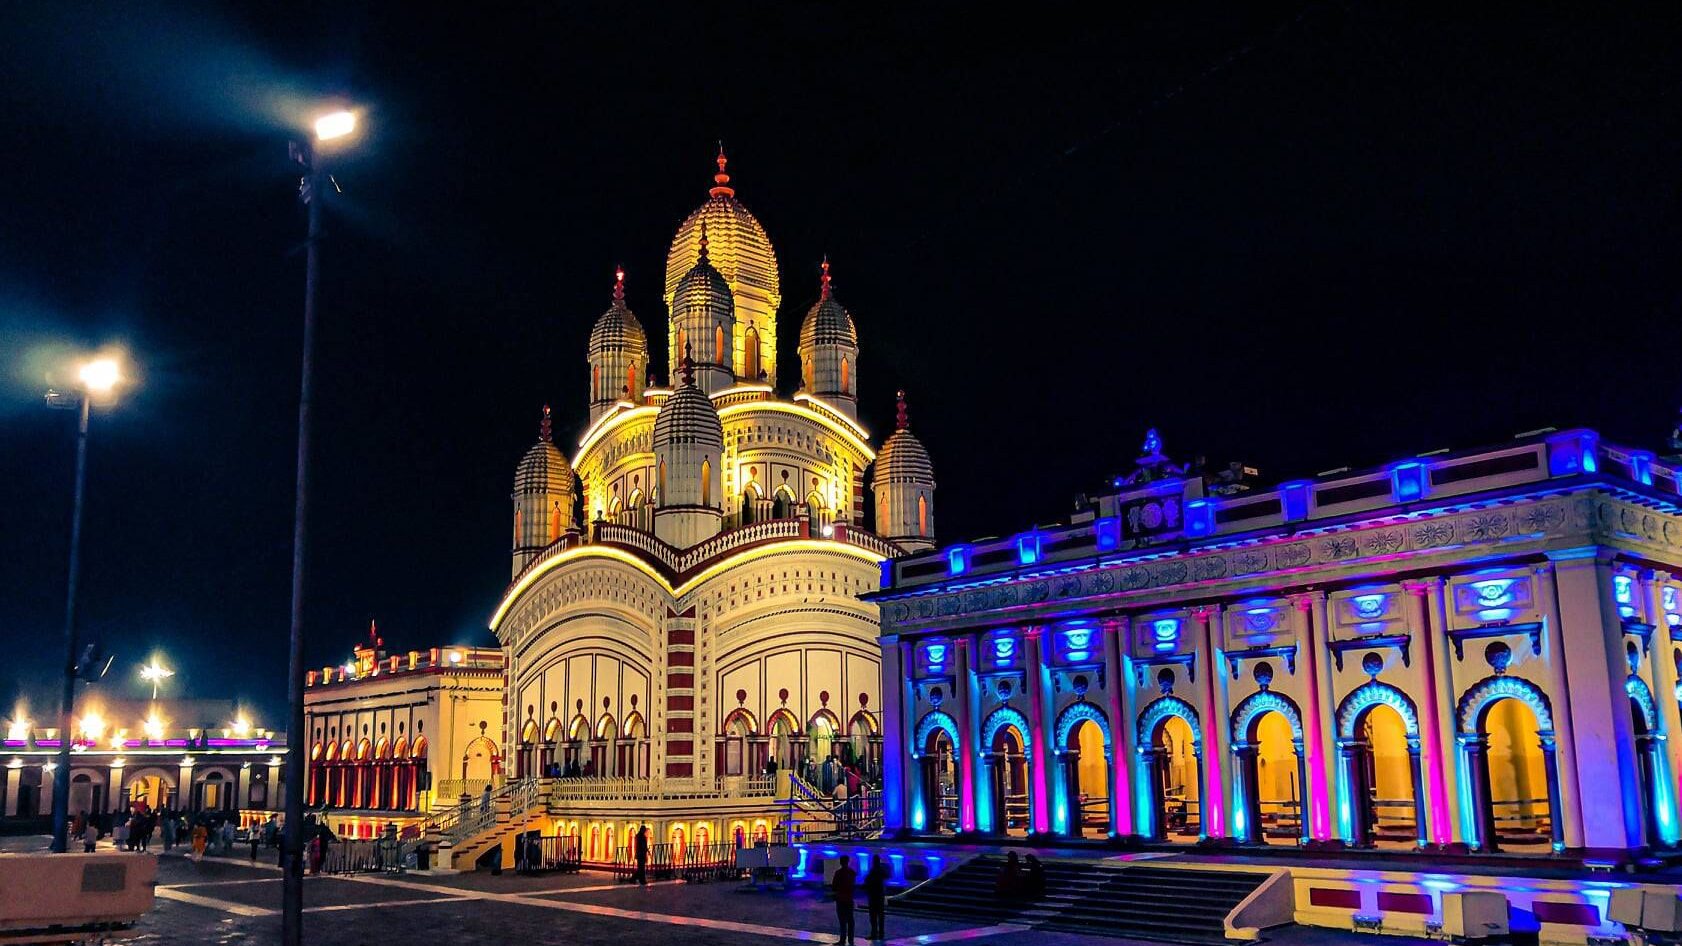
[527,794]
[637,539]
[450,790]
[736,538]
[622,789]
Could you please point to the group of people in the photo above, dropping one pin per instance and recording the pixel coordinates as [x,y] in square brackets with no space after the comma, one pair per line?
[1020,879]
[571,769]
[845,884]
[134,828]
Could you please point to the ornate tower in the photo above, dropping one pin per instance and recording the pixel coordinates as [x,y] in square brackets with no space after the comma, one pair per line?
[829,351]
[742,254]
[618,354]
[688,446]
[704,323]
[904,482]
[542,497]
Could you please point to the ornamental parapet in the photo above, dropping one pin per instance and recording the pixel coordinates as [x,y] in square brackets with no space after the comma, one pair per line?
[631,789]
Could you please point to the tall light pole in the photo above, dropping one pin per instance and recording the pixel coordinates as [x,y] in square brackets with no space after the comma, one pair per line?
[155,673]
[329,129]
[95,378]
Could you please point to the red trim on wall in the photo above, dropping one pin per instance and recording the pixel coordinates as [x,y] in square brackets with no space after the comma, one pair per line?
[680,681]
[680,702]
[1399,901]
[680,636]
[680,747]
[1573,914]
[1334,897]
[680,769]
[681,658]
[680,725]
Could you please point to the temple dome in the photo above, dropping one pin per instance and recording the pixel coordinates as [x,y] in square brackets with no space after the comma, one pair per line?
[688,417]
[827,321]
[618,327]
[543,469]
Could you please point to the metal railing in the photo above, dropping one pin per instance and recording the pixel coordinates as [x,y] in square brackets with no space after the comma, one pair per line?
[369,856]
[694,863]
[550,853]
[451,789]
[826,818]
[618,789]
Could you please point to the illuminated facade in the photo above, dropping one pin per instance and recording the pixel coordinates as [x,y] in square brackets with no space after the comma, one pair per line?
[191,755]
[392,736]
[693,614]
[1469,652]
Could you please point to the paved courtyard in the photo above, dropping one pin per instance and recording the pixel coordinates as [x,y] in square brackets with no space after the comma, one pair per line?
[231,900]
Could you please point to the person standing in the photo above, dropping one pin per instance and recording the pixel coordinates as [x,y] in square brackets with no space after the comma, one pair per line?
[201,837]
[839,794]
[876,897]
[119,834]
[90,836]
[641,849]
[842,884]
[485,800]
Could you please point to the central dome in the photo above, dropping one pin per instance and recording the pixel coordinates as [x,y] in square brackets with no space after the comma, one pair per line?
[741,252]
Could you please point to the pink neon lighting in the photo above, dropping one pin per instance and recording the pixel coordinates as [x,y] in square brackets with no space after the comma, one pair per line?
[1318,791]
[966,778]
[1436,766]
[1213,790]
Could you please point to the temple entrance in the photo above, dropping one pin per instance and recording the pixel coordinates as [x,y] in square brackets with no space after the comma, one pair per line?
[1379,772]
[940,782]
[1174,772]
[1271,774]
[1517,778]
[1649,758]
[1087,770]
[821,733]
[786,744]
[1008,767]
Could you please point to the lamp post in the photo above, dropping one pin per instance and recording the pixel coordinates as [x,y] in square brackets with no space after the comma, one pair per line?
[330,130]
[95,378]
[155,673]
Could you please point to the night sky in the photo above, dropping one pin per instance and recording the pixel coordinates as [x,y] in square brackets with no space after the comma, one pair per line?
[1298,236]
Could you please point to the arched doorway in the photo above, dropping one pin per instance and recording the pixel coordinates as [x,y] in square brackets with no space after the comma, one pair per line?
[822,731]
[1380,778]
[1511,776]
[935,808]
[1173,761]
[786,744]
[1083,753]
[1271,770]
[1009,795]
[734,744]
[1651,767]
[607,733]
[633,748]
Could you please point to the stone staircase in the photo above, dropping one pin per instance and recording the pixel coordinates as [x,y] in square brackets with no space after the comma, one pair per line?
[1154,903]
[464,834]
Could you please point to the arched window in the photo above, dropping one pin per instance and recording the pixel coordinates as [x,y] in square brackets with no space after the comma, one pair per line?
[631,379]
[595,381]
[555,522]
[516,528]
[682,343]
[846,376]
[719,350]
[750,354]
[922,514]
[706,483]
[661,488]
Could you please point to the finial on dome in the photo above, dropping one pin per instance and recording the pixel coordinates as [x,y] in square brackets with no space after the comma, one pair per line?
[823,281]
[902,421]
[619,284]
[546,430]
[704,242]
[687,365]
[721,180]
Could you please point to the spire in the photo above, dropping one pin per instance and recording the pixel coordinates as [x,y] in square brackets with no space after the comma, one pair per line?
[687,365]
[704,244]
[546,430]
[619,285]
[902,421]
[721,180]
[823,281]
[373,635]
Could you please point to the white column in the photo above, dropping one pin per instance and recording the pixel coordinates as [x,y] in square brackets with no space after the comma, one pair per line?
[14,781]
[243,799]
[897,780]
[1117,704]
[1041,756]
[275,797]
[1218,783]
[1664,673]
[1559,688]
[184,786]
[1436,716]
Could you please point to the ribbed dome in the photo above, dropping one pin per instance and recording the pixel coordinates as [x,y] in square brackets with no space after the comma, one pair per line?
[738,246]
[705,288]
[827,322]
[543,469]
[618,328]
[688,417]
[903,460]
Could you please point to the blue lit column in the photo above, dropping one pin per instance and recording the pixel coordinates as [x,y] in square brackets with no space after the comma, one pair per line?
[975,812]
[1565,742]
[896,709]
[1669,760]
[1040,718]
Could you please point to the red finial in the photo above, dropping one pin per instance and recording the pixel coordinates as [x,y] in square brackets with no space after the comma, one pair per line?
[823,281]
[687,365]
[546,430]
[901,421]
[373,635]
[704,241]
[721,180]
[619,284]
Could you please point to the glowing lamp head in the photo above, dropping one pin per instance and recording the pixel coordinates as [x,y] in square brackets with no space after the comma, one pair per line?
[153,727]
[92,725]
[335,125]
[99,376]
[17,730]
[241,727]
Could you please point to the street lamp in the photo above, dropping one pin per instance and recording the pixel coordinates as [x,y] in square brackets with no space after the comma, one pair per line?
[331,133]
[155,673]
[96,379]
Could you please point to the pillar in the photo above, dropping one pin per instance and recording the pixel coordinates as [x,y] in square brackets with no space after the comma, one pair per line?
[1595,702]
[1310,617]
[242,795]
[1415,771]
[184,786]
[1435,802]
[1559,689]
[1246,795]
[897,709]
[1040,757]
[1352,759]
[1474,751]
[14,783]
[1118,687]
[1668,760]
[275,799]
[973,815]
[1215,797]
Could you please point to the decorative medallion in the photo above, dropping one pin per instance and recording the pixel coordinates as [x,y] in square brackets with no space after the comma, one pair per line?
[1432,534]
[1339,547]
[1291,556]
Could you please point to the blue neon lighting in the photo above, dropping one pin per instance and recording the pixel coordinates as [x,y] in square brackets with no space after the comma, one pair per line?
[1294,499]
[1078,637]
[1668,596]
[936,654]
[1004,649]
[1166,632]
[1200,517]
[1408,481]
[1368,606]
[1623,589]
[1494,593]
[957,559]
[1108,532]
[1573,452]
[1028,548]
[1641,467]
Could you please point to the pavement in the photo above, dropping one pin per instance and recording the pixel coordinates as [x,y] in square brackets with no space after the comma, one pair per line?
[226,900]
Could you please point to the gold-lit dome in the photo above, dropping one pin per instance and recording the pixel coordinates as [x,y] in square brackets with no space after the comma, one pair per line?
[827,322]
[742,254]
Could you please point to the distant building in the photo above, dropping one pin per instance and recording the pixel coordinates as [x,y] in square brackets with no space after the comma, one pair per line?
[393,735]
[196,755]
[1470,651]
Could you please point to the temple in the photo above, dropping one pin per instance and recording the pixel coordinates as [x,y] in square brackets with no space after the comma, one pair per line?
[1459,653]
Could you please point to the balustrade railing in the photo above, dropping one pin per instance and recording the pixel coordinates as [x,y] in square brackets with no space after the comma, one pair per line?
[615,789]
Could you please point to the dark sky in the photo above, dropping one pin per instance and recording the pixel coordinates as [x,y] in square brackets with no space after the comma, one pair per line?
[1302,236]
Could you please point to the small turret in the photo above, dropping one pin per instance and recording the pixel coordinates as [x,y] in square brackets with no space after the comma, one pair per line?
[543,492]
[903,479]
[829,350]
